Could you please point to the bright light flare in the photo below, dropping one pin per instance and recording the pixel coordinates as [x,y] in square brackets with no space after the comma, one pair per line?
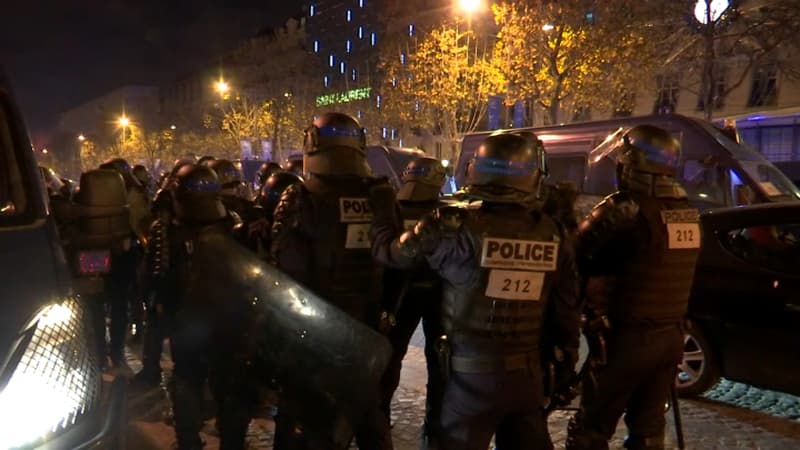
[717,7]
[124,122]
[547,27]
[470,6]
[81,137]
[445,163]
[222,87]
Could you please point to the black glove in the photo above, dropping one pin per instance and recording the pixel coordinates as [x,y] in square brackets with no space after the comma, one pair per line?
[383,202]
[423,238]
[563,384]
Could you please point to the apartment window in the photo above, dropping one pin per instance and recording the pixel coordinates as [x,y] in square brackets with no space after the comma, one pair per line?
[341,68]
[312,10]
[764,90]
[360,3]
[373,39]
[402,58]
[360,114]
[361,32]
[718,87]
[348,46]
[625,104]
[411,30]
[378,101]
[316,46]
[667,94]
[383,132]
[349,15]
[325,81]
[394,82]
[354,74]
[331,60]
[777,143]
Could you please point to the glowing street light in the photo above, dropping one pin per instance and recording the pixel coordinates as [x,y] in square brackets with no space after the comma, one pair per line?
[716,7]
[445,163]
[172,127]
[124,121]
[470,6]
[81,137]
[222,87]
[44,151]
[547,27]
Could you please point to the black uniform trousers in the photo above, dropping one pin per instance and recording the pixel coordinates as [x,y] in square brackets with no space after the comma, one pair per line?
[198,357]
[508,405]
[636,381]
[421,302]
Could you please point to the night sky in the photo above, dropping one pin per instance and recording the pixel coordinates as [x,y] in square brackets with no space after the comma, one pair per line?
[60,53]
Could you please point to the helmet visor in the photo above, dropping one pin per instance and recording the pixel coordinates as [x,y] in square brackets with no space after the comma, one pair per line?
[610,146]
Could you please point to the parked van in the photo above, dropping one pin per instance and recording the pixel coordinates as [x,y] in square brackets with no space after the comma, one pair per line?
[715,170]
[51,391]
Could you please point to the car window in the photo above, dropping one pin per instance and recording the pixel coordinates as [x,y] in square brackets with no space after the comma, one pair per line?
[774,247]
[567,168]
[705,183]
[13,199]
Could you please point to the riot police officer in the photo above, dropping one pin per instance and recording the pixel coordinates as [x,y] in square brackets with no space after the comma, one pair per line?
[142,175]
[265,171]
[418,293]
[320,237]
[159,320]
[509,295]
[270,195]
[121,281]
[296,166]
[637,251]
[206,342]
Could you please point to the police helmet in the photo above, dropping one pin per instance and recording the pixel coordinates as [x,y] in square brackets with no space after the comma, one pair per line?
[205,160]
[265,171]
[650,149]
[505,168]
[228,174]
[272,189]
[294,166]
[422,180]
[142,174]
[122,167]
[197,195]
[335,144]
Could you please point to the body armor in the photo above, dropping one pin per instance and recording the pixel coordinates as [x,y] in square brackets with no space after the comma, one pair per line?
[334,216]
[649,244]
[495,304]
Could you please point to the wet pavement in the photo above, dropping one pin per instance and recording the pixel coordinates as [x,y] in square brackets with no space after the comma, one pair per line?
[730,416]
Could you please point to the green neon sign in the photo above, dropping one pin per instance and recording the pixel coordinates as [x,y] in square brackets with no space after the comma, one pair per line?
[344,97]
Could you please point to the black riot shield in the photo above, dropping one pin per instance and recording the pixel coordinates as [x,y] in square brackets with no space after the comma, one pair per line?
[317,354]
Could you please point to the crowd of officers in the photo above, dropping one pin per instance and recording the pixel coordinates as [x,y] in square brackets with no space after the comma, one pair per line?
[503,278]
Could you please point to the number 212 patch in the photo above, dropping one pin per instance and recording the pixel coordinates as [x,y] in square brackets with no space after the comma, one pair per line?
[515,285]
[683,235]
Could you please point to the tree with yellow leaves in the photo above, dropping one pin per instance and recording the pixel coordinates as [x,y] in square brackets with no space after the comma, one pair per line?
[440,82]
[571,55]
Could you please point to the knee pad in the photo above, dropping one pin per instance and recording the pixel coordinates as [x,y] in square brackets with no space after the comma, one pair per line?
[633,442]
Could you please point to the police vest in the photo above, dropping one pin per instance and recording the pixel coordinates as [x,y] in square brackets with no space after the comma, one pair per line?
[500,312]
[654,286]
[344,272]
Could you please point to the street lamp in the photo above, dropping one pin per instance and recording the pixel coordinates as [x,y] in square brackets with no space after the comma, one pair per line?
[222,87]
[81,137]
[172,127]
[714,9]
[123,122]
[470,6]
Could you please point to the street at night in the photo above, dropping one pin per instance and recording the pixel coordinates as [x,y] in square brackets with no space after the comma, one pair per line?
[400,225]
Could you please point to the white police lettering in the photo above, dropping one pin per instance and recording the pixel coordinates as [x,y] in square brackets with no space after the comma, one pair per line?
[515,285]
[357,236]
[519,254]
[682,228]
[409,224]
[354,210]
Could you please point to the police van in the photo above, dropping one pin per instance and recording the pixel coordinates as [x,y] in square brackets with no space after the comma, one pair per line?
[51,391]
[715,169]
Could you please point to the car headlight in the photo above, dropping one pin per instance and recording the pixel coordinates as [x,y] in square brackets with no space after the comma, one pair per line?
[56,379]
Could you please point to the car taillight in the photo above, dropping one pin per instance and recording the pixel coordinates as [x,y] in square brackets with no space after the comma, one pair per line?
[94,262]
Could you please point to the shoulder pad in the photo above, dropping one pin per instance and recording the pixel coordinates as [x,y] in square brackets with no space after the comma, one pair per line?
[451,216]
[620,205]
[235,218]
